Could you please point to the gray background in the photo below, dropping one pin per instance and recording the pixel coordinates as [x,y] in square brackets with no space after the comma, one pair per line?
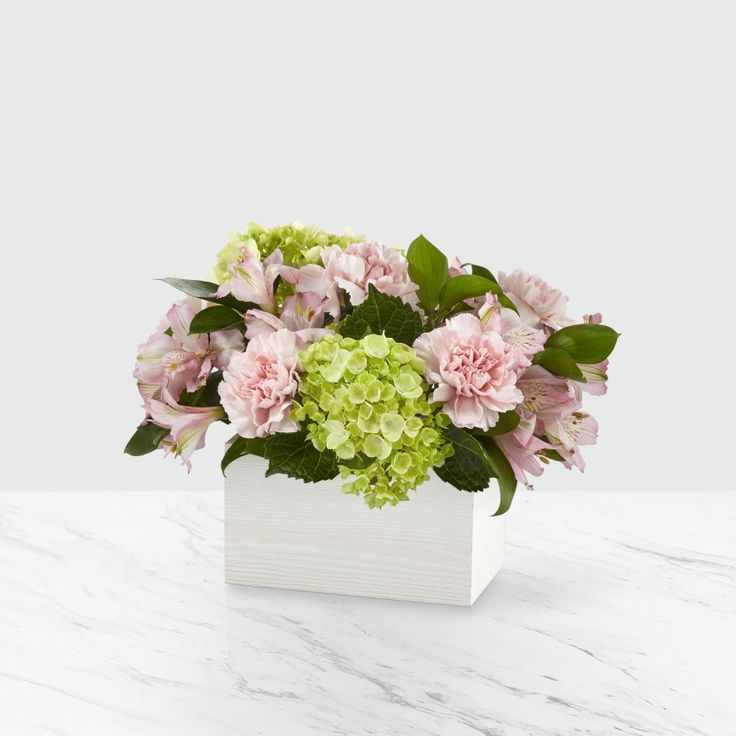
[592,143]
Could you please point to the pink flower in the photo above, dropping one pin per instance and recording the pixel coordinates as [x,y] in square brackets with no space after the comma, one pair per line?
[537,302]
[593,319]
[188,424]
[474,371]
[253,281]
[525,340]
[181,361]
[352,270]
[545,395]
[568,431]
[522,449]
[303,314]
[595,376]
[457,268]
[556,405]
[258,386]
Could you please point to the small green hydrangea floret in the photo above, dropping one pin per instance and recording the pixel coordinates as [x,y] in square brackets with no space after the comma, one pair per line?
[299,244]
[367,400]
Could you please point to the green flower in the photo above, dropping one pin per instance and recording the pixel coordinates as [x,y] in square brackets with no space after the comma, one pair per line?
[368,401]
[298,243]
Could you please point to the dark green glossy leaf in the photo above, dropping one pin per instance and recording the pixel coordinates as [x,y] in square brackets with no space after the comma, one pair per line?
[206,395]
[464,287]
[380,313]
[359,462]
[428,270]
[242,446]
[468,469]
[206,290]
[559,362]
[145,439]
[294,455]
[215,318]
[504,472]
[587,343]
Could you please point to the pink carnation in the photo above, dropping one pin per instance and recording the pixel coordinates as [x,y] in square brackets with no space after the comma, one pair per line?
[353,270]
[181,361]
[535,299]
[258,385]
[474,371]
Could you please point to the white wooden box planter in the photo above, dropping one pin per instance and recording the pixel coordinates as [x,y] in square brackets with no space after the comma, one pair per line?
[442,546]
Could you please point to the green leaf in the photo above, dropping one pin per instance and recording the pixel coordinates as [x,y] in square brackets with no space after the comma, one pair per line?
[468,469]
[559,362]
[215,318]
[293,454]
[463,287]
[428,270]
[359,462]
[145,439]
[482,271]
[206,395]
[553,455]
[507,422]
[206,290]
[459,308]
[242,446]
[381,313]
[504,472]
[201,289]
[586,343]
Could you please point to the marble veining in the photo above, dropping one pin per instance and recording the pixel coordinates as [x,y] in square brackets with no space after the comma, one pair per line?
[614,614]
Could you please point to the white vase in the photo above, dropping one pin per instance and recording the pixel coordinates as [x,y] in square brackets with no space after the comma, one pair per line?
[442,546]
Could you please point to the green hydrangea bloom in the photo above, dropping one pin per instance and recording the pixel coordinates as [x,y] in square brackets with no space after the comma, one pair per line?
[368,401]
[299,244]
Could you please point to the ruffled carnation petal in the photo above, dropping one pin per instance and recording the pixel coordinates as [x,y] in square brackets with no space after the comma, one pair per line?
[258,385]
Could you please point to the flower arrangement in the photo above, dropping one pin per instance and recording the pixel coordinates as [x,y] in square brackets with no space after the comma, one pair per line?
[334,355]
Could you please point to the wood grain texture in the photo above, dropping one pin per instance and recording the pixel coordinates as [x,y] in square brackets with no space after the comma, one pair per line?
[443,546]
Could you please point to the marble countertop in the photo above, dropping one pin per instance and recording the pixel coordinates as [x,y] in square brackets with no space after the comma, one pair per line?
[614,614]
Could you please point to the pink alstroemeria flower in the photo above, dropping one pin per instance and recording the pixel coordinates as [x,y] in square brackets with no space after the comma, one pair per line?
[568,432]
[545,395]
[474,371]
[522,449]
[252,280]
[181,361]
[353,270]
[525,340]
[303,314]
[187,425]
